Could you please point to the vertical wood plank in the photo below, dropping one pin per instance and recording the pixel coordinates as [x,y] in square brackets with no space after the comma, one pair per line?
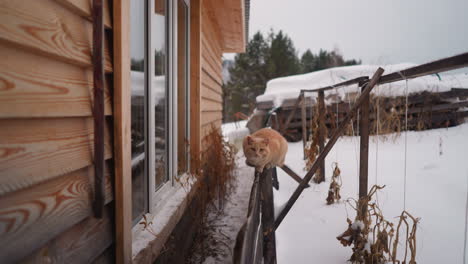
[268,217]
[304,124]
[364,148]
[122,132]
[195,78]
[98,107]
[321,137]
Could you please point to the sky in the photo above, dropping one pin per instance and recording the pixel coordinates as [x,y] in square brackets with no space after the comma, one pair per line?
[375,31]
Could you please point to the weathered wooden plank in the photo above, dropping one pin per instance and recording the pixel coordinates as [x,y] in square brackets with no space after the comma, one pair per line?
[37,86]
[31,217]
[122,132]
[268,217]
[83,8]
[291,173]
[50,29]
[82,243]
[336,134]
[321,136]
[304,125]
[212,96]
[438,66]
[341,84]
[36,150]
[364,148]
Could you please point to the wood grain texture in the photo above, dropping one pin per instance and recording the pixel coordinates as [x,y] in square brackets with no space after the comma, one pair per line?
[31,217]
[211,106]
[83,8]
[36,150]
[37,86]
[122,132]
[208,117]
[195,76]
[230,19]
[50,29]
[82,243]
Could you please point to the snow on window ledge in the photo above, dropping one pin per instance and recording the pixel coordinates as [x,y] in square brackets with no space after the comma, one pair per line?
[148,242]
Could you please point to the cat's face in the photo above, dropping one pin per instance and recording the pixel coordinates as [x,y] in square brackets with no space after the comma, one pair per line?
[257,149]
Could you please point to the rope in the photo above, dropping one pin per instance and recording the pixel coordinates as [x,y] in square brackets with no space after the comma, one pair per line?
[466,224]
[353,140]
[406,139]
[377,143]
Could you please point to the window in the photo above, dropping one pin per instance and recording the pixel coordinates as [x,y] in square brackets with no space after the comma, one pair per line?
[159,91]
[138,106]
[160,96]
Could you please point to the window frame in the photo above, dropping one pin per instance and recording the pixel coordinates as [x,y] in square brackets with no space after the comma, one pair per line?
[158,195]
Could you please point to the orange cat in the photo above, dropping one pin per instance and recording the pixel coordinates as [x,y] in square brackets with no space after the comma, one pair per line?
[265,148]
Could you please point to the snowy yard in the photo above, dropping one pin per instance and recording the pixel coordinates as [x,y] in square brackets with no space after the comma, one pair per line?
[436,191]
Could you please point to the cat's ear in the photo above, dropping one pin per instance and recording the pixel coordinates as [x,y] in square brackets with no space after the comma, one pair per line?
[266,141]
[249,140]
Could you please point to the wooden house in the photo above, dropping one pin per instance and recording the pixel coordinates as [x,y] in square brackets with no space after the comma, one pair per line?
[162,90]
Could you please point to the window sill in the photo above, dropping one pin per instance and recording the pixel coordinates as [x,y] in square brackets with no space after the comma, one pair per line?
[148,242]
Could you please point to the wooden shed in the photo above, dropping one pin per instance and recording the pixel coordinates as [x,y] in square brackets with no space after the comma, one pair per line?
[162,93]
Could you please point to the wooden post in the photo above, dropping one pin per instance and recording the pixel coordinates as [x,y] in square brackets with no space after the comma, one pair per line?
[336,134]
[363,155]
[268,217]
[321,137]
[304,124]
[122,132]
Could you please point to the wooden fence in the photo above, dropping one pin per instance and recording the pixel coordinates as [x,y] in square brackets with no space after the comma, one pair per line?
[257,242]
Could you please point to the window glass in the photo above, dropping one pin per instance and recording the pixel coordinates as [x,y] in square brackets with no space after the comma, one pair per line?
[137,53]
[182,87]
[159,91]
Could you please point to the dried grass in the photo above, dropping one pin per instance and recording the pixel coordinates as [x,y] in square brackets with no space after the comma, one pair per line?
[215,170]
[371,234]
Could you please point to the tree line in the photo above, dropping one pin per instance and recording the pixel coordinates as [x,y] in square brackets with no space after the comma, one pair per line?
[266,58]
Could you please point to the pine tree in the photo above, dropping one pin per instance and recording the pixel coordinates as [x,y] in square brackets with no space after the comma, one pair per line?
[282,59]
[308,62]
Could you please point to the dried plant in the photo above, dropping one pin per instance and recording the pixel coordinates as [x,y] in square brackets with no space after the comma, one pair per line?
[335,185]
[371,234]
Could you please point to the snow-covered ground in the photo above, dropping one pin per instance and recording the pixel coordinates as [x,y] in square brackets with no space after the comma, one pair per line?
[436,191]
[289,87]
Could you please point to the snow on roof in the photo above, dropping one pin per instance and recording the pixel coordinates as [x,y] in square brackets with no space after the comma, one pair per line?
[289,87]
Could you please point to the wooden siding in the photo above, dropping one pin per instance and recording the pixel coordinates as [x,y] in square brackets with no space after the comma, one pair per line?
[211,105]
[46,140]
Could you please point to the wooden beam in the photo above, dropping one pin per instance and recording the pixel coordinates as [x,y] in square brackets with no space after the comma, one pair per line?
[364,147]
[293,175]
[122,132]
[321,135]
[345,83]
[268,217]
[446,64]
[195,78]
[337,133]
[304,125]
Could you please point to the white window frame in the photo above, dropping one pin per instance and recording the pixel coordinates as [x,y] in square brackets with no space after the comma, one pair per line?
[158,196]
